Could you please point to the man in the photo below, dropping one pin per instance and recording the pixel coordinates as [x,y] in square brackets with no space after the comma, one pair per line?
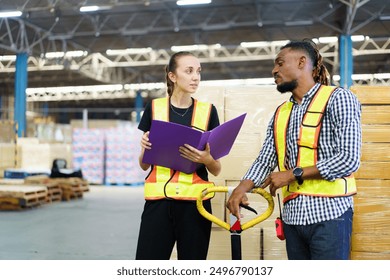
[315,141]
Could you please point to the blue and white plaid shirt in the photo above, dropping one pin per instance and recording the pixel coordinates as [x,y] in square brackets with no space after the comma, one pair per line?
[338,155]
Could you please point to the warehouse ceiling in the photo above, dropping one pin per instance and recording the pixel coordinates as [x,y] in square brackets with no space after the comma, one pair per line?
[143,32]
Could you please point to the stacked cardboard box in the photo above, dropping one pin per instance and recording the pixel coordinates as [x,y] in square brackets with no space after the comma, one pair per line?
[8,151]
[7,156]
[29,152]
[259,242]
[371,238]
[88,153]
[107,152]
[123,147]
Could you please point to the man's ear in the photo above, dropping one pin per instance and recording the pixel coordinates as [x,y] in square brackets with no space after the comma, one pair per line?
[302,62]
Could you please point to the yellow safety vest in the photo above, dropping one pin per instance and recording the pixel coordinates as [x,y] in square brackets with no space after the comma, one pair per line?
[308,148]
[181,186]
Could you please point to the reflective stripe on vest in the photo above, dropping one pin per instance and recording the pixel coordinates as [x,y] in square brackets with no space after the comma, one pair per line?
[181,186]
[307,148]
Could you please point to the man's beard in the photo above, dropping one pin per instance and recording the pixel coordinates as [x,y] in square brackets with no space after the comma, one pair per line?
[287,86]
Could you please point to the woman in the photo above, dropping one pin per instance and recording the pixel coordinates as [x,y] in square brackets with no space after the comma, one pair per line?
[170,215]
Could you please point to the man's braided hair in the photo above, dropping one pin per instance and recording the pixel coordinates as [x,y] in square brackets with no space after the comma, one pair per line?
[320,73]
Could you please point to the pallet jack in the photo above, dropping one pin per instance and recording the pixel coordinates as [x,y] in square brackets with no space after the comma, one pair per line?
[235,226]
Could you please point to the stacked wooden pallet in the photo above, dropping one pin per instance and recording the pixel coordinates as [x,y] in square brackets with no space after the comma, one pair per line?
[72,188]
[16,197]
[54,191]
[371,236]
[8,181]
[67,188]
[33,191]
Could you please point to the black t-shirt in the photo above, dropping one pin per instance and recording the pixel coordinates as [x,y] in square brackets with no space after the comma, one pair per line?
[186,119]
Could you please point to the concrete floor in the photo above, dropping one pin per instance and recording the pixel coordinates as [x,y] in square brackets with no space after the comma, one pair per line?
[103,225]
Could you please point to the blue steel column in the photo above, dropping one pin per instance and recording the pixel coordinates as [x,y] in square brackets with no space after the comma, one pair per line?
[138,105]
[20,93]
[45,109]
[346,61]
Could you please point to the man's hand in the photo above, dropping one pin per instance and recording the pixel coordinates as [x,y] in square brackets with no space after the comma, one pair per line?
[277,180]
[238,197]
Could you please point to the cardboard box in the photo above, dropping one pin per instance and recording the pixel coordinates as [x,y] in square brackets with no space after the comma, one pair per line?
[259,103]
[7,157]
[214,95]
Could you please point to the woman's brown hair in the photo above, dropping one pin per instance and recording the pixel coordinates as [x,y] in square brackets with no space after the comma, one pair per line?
[171,67]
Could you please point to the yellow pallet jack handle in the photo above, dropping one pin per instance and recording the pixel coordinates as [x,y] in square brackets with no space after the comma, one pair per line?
[219,222]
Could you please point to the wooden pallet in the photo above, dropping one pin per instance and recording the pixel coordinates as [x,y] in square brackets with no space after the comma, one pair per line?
[16,197]
[72,188]
[84,185]
[81,183]
[6,181]
[54,193]
[70,191]
[37,180]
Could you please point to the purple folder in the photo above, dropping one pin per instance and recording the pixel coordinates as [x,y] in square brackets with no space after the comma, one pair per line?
[167,137]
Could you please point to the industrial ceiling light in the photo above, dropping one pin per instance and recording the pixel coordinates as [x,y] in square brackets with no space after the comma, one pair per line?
[240,82]
[359,38]
[129,51]
[66,54]
[367,77]
[299,23]
[384,17]
[7,57]
[192,2]
[87,9]
[94,8]
[8,14]
[189,48]
[334,39]
[326,40]
[263,44]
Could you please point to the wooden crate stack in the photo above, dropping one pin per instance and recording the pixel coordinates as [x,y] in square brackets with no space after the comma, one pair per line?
[371,235]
